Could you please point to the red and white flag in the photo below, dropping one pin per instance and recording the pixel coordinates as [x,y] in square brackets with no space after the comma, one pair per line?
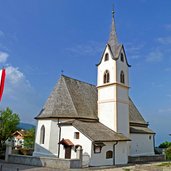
[2,81]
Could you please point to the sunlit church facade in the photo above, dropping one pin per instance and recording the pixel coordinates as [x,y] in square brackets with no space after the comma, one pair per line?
[100,119]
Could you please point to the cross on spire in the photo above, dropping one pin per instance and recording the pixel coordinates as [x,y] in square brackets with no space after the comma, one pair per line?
[113,41]
[113,12]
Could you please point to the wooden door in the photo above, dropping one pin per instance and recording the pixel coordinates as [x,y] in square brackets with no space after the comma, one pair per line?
[68,152]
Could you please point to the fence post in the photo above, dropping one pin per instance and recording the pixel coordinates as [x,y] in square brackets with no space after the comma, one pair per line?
[1,168]
[79,154]
[8,149]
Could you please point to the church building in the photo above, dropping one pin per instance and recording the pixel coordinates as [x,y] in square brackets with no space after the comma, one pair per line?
[101,119]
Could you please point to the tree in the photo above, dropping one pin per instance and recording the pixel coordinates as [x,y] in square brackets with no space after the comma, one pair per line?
[165,144]
[29,138]
[8,124]
[168,153]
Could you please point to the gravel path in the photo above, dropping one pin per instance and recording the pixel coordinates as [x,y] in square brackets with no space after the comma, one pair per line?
[139,167]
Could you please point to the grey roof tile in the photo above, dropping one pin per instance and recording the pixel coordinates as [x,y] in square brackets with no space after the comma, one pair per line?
[71,99]
[98,132]
[134,114]
[140,130]
[75,99]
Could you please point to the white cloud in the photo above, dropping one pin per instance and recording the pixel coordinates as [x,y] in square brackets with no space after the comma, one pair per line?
[167,110]
[154,56]
[133,50]
[16,84]
[19,95]
[14,76]
[164,40]
[3,57]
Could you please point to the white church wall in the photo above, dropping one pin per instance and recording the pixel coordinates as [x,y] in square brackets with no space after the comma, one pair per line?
[43,149]
[121,153]
[141,144]
[122,66]
[123,119]
[54,137]
[67,132]
[122,94]
[106,94]
[99,159]
[106,65]
[107,114]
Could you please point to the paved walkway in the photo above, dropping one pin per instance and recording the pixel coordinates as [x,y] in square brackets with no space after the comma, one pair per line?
[140,167]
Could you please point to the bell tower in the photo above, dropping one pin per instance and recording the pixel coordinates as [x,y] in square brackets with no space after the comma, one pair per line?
[113,85]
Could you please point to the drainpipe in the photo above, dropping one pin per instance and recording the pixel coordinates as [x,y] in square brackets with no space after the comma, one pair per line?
[59,138]
[114,152]
[154,142]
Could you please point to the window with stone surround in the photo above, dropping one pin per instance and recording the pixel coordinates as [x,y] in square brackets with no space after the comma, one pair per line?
[109,154]
[76,135]
[122,77]
[106,77]
[122,57]
[106,57]
[42,135]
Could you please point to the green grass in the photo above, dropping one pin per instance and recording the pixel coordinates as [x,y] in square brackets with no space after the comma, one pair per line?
[126,169]
[168,164]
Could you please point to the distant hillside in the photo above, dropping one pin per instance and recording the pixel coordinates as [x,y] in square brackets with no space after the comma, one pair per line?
[25,126]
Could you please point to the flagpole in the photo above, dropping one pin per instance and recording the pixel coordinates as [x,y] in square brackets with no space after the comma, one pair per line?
[2,83]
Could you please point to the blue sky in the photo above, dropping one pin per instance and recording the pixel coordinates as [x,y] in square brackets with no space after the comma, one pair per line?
[40,38]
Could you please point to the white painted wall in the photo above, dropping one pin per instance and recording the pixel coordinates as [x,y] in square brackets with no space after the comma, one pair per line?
[107,93]
[123,119]
[99,159]
[121,154]
[122,66]
[113,101]
[49,148]
[18,142]
[141,144]
[107,114]
[106,65]
[67,132]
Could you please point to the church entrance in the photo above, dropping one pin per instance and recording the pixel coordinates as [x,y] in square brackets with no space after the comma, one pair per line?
[67,152]
[67,146]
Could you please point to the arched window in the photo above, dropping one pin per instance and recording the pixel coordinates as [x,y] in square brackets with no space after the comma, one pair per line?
[122,57]
[106,77]
[106,57]
[122,77]
[42,135]
[109,154]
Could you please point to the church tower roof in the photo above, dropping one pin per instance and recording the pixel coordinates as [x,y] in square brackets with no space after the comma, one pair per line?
[113,40]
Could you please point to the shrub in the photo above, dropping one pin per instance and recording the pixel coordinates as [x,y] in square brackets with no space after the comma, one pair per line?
[168,153]
[165,144]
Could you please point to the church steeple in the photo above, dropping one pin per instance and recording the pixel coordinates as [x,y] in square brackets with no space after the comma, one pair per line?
[113,41]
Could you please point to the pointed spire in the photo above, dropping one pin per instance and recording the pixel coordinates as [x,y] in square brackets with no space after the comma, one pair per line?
[113,41]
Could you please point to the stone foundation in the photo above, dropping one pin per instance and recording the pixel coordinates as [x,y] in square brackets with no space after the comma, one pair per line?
[144,159]
[45,161]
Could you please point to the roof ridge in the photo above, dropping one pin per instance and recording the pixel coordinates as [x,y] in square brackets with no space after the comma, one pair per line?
[78,80]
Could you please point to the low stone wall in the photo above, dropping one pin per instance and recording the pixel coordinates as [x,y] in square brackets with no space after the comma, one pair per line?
[143,159]
[45,161]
